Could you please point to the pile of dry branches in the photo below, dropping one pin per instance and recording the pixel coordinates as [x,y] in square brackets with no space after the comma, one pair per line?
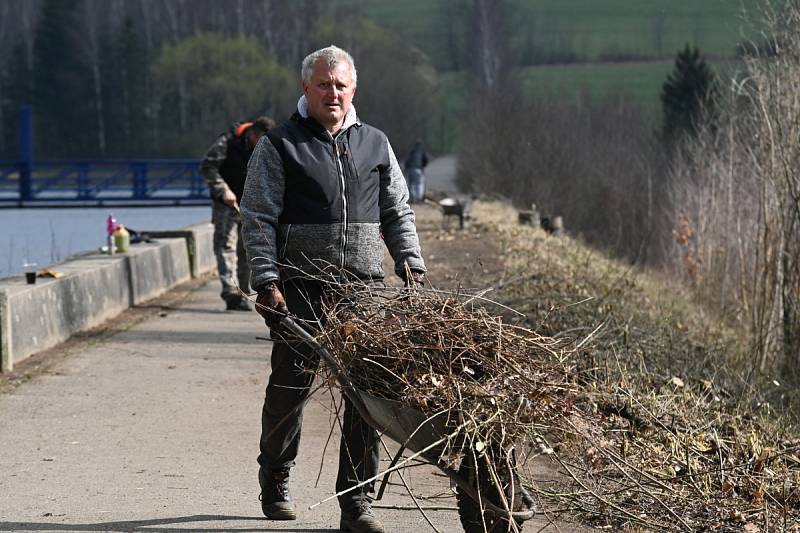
[667,457]
[436,352]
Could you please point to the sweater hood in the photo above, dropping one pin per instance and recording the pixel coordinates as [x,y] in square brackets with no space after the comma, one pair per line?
[351,119]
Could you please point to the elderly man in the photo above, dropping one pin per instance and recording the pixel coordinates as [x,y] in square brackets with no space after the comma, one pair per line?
[324,192]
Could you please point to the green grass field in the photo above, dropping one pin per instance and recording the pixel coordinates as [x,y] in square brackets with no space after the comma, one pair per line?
[591,29]
[645,34]
[638,28]
[639,82]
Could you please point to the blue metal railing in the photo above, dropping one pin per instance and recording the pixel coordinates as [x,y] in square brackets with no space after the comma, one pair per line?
[26,182]
[137,181]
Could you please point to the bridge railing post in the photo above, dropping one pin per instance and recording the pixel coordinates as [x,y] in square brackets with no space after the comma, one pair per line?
[139,180]
[83,180]
[198,184]
[25,153]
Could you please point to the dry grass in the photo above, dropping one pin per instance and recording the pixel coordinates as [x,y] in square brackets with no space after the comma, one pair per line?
[675,392]
[649,425]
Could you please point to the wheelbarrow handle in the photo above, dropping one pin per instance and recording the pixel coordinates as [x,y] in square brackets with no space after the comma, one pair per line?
[298,331]
[330,361]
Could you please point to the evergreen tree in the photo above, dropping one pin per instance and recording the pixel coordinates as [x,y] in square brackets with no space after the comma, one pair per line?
[62,82]
[687,94]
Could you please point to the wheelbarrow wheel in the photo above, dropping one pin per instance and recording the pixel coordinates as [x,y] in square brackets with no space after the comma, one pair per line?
[475,517]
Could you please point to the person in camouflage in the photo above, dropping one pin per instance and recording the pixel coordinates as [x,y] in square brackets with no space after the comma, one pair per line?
[224,168]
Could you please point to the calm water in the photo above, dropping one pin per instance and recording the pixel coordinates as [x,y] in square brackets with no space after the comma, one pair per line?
[46,236]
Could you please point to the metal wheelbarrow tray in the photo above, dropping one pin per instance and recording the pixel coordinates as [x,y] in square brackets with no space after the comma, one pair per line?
[424,435]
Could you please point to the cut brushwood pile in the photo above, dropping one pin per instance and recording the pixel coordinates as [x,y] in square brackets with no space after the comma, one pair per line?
[435,352]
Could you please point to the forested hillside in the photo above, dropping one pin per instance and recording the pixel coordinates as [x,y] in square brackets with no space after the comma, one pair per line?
[113,78]
[161,78]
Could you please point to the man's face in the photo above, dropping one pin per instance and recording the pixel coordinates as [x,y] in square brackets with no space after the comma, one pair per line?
[252,137]
[329,93]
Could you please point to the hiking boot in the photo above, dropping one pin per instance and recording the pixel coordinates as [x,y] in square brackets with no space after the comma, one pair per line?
[244,305]
[360,519]
[238,304]
[276,504]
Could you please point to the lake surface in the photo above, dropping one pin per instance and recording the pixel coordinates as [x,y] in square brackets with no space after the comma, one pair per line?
[49,235]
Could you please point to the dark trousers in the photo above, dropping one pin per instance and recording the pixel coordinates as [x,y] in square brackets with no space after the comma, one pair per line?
[290,383]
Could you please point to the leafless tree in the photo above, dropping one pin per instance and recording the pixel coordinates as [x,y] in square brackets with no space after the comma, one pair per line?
[490,51]
[736,189]
[595,163]
[94,15]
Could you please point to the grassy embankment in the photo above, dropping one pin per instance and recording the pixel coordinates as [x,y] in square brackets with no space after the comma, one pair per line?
[682,427]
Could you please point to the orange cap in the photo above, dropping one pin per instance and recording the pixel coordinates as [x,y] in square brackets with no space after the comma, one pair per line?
[240,129]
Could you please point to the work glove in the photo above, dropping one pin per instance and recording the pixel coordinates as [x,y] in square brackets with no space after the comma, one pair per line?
[415,280]
[271,305]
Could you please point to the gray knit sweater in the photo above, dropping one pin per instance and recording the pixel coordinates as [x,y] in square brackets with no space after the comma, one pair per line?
[315,205]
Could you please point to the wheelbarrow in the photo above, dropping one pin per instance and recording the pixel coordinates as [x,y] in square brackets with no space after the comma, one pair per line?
[489,499]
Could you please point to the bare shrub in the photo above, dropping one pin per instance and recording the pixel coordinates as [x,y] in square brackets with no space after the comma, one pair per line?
[593,162]
[738,185]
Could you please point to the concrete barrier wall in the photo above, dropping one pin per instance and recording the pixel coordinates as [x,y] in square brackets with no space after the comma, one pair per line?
[200,242]
[95,288]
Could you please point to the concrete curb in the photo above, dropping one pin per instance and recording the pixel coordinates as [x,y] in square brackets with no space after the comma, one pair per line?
[95,288]
[200,243]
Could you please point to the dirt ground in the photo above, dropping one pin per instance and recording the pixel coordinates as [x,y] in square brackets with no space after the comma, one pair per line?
[457,258]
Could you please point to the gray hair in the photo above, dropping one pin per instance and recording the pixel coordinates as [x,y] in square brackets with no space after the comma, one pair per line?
[332,55]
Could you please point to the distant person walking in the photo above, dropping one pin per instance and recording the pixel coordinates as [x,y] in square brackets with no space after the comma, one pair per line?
[416,161]
[224,168]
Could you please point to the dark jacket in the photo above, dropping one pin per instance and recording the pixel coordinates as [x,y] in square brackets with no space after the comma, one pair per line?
[225,165]
[314,204]
[417,158]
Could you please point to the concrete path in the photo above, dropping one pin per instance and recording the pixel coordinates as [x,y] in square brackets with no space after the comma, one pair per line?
[156,429]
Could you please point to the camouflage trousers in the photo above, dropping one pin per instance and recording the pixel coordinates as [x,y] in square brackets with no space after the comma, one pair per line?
[234,271]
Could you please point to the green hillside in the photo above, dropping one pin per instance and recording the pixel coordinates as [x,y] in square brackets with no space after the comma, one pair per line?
[639,81]
[568,47]
[636,28]
[590,29]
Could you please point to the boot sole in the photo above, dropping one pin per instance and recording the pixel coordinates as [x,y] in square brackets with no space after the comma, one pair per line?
[280,514]
[344,526]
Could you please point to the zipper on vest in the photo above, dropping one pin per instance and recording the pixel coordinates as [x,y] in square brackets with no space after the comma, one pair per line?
[344,202]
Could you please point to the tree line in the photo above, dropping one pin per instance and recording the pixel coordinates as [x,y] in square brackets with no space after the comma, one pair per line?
[161,78]
[735,192]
